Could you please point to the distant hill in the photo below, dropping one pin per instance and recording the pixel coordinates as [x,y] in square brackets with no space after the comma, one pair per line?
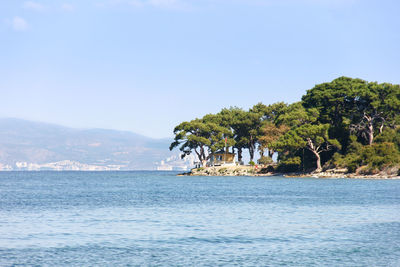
[35,145]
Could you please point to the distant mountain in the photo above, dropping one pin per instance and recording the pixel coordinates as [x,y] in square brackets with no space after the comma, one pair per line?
[35,145]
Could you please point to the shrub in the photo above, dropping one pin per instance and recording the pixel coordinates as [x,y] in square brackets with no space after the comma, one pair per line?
[351,161]
[289,165]
[389,136]
[375,157]
[267,169]
[251,163]
[265,160]
[378,156]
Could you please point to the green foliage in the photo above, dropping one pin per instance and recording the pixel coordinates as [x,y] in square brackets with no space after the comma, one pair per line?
[265,160]
[267,169]
[244,126]
[334,100]
[271,112]
[375,157]
[251,163]
[350,161]
[295,115]
[356,105]
[199,135]
[290,165]
[347,122]
[379,156]
[390,136]
[314,138]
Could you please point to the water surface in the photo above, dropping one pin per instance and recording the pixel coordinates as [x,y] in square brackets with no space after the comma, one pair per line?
[159,219]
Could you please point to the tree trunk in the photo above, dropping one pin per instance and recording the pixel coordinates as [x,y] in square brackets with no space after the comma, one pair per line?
[252,147]
[203,157]
[370,133]
[251,152]
[240,155]
[202,154]
[198,155]
[381,128]
[314,150]
[369,128]
[319,168]
[270,153]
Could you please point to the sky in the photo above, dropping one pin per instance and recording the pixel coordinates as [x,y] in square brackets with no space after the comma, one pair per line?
[147,65]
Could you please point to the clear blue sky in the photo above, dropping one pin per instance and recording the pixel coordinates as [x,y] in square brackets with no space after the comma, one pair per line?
[146,65]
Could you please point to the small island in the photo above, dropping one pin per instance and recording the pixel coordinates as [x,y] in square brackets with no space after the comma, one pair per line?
[344,128]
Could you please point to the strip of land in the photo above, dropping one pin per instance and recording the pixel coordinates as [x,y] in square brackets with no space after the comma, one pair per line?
[241,170]
[344,128]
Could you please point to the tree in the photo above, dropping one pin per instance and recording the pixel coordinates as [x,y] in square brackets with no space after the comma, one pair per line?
[344,114]
[245,127]
[225,130]
[295,115]
[355,105]
[311,137]
[390,136]
[273,111]
[377,105]
[271,133]
[267,130]
[201,136]
[233,118]
[251,124]
[334,100]
[335,103]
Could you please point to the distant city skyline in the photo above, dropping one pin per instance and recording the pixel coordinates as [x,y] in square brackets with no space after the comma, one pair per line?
[146,65]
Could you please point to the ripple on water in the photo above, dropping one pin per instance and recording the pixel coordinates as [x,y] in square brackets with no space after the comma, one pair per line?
[152,218]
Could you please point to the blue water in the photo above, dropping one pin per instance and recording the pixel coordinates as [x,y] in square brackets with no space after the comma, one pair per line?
[159,219]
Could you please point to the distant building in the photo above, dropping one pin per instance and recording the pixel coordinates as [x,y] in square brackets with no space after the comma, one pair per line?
[221,158]
[176,163]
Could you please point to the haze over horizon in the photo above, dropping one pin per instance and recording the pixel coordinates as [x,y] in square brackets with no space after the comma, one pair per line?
[13,120]
[146,65]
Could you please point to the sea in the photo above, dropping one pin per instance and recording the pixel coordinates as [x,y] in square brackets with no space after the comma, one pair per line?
[145,218]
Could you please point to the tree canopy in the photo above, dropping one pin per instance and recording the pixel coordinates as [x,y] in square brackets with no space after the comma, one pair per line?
[336,123]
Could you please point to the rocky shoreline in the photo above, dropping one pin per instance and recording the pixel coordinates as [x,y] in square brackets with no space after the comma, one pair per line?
[257,171]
